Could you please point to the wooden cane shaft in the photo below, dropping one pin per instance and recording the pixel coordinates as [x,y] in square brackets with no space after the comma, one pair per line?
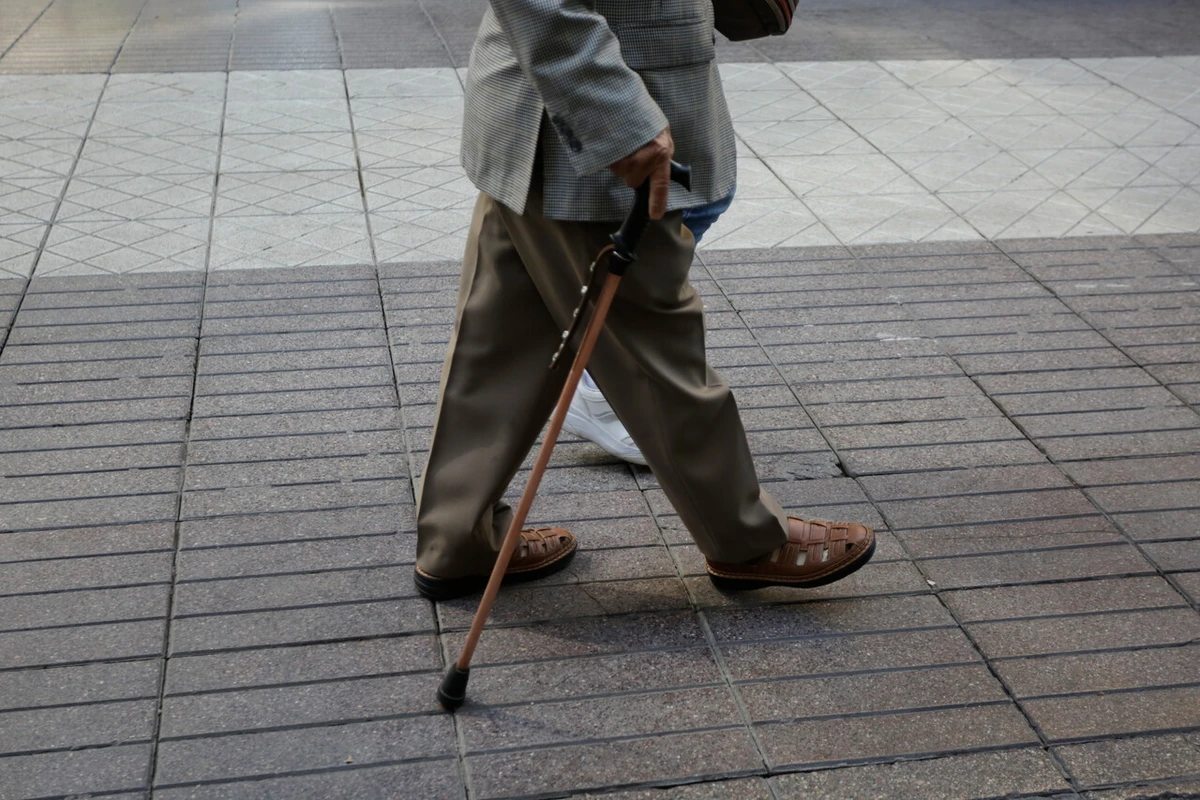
[590,335]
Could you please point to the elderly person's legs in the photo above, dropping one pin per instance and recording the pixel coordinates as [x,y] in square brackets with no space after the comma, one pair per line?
[520,284]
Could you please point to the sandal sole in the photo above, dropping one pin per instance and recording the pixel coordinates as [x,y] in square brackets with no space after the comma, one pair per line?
[432,588]
[746,584]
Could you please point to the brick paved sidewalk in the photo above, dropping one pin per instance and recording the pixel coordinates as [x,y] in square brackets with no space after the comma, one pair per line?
[221,470]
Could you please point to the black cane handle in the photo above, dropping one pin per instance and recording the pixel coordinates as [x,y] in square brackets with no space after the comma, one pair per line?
[625,240]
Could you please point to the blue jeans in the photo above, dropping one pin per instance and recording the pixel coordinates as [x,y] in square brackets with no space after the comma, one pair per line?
[700,218]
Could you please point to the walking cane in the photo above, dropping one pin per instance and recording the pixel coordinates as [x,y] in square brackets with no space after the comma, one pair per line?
[621,253]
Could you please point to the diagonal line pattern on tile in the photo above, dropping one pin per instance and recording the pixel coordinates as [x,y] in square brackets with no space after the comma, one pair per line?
[830,152]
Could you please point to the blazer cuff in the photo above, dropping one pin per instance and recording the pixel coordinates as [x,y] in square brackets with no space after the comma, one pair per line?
[606,140]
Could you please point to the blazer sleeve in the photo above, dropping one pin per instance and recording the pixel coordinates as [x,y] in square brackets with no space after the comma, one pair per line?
[599,107]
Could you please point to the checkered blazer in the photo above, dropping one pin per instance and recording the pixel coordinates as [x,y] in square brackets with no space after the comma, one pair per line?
[596,79]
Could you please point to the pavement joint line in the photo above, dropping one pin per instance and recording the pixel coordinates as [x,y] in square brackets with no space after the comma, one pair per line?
[889,287]
[298,484]
[74,625]
[983,523]
[85,402]
[1016,551]
[1101,434]
[289,315]
[681,648]
[106,360]
[119,496]
[290,435]
[404,673]
[40,667]
[293,542]
[366,454]
[270,278]
[118,553]
[887,424]
[1161,326]
[813,766]
[1137,511]
[153,443]
[299,606]
[89,306]
[293,390]
[86,526]
[208,517]
[448,657]
[435,714]
[44,286]
[847,673]
[1160,687]
[935,444]
[1034,351]
[880,379]
[392,762]
[1181,606]
[168,616]
[1149,783]
[82,703]
[1151,385]
[107,323]
[1068,740]
[887,712]
[223,651]
[671,689]
[1097,412]
[1047,370]
[285,370]
[287,333]
[843,360]
[96,588]
[74,748]
[517,625]
[115,340]
[883,473]
[1023,490]
[584,742]
[288,412]
[301,297]
[87,424]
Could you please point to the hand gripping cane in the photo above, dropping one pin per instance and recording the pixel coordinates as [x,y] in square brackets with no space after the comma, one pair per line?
[621,253]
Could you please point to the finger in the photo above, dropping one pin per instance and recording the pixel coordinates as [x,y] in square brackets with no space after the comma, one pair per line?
[660,187]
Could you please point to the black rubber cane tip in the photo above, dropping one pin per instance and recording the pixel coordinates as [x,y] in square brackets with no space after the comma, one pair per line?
[453,691]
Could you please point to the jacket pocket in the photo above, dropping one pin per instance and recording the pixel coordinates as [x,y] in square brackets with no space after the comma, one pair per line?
[666,44]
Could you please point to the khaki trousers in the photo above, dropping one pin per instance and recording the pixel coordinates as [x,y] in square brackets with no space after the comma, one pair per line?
[520,282]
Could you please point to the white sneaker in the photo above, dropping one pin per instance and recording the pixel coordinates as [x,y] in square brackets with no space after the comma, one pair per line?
[592,418]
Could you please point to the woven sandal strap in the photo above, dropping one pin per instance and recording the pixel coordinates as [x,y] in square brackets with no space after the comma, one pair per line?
[535,541]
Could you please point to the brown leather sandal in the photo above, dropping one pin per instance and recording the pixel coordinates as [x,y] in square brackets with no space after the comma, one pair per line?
[816,553]
[541,552]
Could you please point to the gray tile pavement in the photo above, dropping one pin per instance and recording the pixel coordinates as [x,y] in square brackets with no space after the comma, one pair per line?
[208,508]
